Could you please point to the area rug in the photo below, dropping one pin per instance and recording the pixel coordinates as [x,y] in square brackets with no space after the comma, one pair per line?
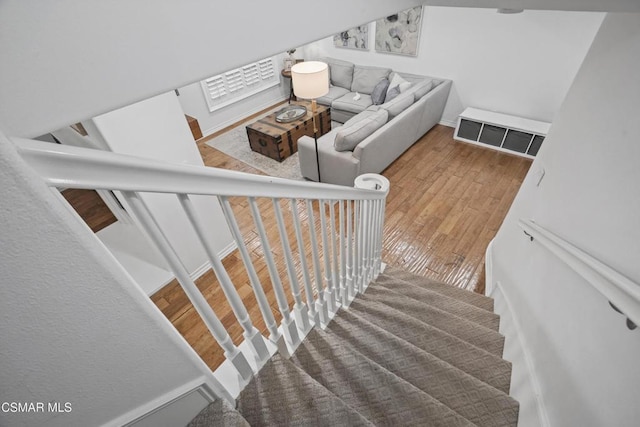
[235,143]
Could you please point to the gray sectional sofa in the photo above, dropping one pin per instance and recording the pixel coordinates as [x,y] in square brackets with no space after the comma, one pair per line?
[376,131]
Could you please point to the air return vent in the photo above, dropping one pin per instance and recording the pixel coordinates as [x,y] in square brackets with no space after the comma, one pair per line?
[501,132]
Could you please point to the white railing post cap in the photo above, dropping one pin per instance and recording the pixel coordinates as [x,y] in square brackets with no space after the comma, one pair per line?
[372,181]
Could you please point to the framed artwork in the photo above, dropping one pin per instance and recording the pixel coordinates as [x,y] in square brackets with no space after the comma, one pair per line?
[353,38]
[399,33]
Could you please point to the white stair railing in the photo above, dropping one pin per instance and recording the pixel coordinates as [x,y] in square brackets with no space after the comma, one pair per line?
[623,294]
[350,251]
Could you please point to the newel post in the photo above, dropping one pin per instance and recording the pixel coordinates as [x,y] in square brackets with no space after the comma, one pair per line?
[368,230]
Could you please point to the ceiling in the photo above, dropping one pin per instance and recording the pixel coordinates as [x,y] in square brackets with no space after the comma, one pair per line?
[573,5]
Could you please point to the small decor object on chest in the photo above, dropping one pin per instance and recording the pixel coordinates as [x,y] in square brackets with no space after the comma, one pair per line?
[290,60]
[290,113]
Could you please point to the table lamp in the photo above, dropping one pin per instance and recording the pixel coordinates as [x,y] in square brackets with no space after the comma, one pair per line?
[310,80]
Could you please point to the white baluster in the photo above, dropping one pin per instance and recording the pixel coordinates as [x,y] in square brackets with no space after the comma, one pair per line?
[251,333]
[213,323]
[321,304]
[344,293]
[372,257]
[335,270]
[360,246]
[288,324]
[366,234]
[382,217]
[275,335]
[379,234]
[350,252]
[308,290]
[300,308]
[372,237]
[331,296]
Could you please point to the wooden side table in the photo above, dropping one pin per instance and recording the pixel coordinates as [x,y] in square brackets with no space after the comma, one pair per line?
[287,75]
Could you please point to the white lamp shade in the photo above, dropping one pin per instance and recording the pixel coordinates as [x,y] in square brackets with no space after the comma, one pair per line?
[310,79]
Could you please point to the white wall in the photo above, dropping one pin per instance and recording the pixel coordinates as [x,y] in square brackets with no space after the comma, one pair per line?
[71,60]
[74,327]
[193,103]
[583,356]
[519,64]
[156,128]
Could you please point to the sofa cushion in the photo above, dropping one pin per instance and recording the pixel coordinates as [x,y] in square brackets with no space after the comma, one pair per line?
[356,129]
[420,89]
[347,103]
[361,116]
[397,80]
[398,104]
[334,93]
[366,78]
[380,92]
[340,72]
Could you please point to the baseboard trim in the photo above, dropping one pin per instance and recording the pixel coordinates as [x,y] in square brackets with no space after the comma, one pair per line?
[448,123]
[141,415]
[488,269]
[226,251]
[516,337]
[235,120]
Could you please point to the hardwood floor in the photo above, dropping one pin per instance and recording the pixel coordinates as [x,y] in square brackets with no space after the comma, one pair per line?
[90,207]
[446,202]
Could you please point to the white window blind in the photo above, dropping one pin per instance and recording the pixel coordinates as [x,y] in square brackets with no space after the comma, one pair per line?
[234,85]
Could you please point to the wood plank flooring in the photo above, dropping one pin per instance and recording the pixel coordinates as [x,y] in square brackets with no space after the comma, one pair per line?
[91,208]
[446,202]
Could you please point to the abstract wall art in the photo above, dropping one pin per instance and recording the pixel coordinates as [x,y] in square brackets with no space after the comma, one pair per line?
[353,38]
[399,33]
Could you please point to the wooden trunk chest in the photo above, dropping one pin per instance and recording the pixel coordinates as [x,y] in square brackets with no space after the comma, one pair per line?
[280,140]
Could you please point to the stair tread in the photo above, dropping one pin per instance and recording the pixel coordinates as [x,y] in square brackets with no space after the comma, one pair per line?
[379,395]
[452,305]
[469,297]
[470,397]
[472,332]
[220,414]
[284,395]
[480,363]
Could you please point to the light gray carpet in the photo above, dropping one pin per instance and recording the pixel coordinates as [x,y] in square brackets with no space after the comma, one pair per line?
[235,143]
[284,395]
[443,302]
[219,414]
[408,352]
[461,294]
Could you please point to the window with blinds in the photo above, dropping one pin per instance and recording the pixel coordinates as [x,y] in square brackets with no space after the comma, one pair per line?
[234,85]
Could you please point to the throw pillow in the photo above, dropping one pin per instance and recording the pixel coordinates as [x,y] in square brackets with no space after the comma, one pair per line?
[392,93]
[397,80]
[350,135]
[380,92]
[398,104]
[366,78]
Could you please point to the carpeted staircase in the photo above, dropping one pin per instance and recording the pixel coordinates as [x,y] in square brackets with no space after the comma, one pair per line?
[408,352]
